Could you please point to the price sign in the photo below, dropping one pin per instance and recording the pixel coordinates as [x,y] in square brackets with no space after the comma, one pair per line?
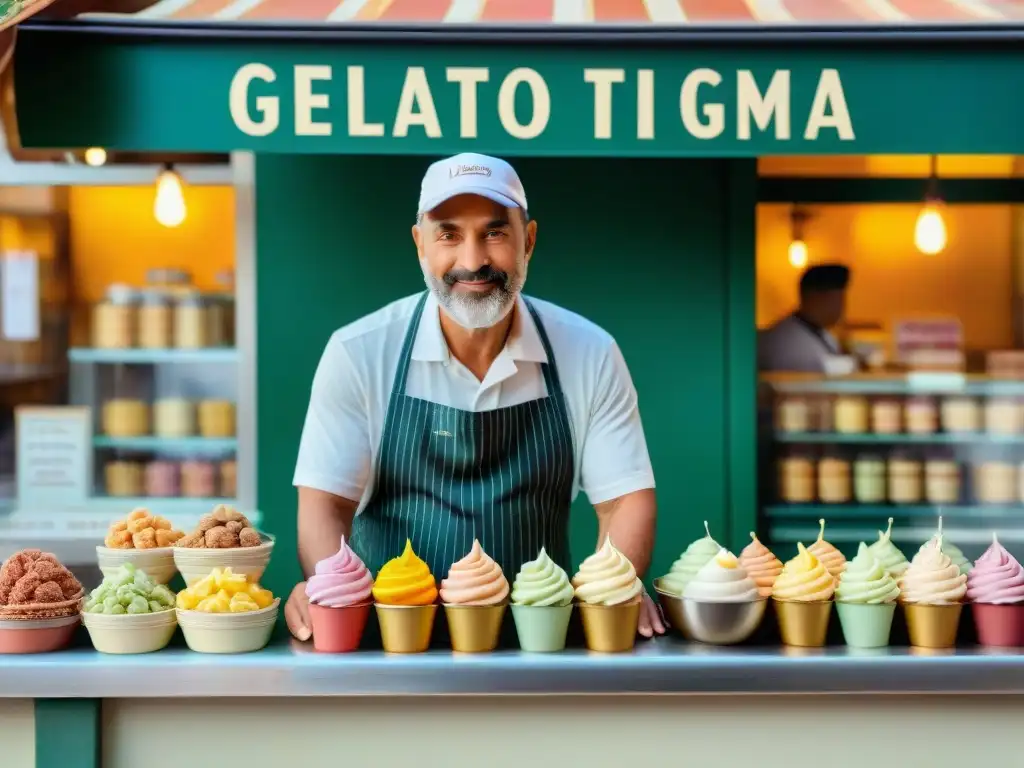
[54,455]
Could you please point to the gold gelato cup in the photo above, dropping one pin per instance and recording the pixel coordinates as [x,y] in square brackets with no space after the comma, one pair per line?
[932,626]
[474,628]
[610,628]
[803,624]
[406,628]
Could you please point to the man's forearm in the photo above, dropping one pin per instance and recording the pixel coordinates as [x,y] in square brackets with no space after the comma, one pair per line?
[630,521]
[323,519]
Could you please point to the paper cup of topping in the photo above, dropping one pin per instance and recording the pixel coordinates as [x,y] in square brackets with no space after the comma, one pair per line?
[241,632]
[541,628]
[158,563]
[338,629]
[866,625]
[37,635]
[196,564]
[130,633]
[999,626]
[474,628]
[610,628]
[803,624]
[722,623]
[932,626]
[406,628]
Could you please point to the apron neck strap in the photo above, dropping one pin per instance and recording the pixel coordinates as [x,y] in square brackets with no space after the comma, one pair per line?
[550,370]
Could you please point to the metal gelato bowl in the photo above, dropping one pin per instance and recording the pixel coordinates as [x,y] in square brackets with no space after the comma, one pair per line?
[712,623]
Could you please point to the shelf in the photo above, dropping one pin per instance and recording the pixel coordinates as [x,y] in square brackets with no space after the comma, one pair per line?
[875,512]
[922,384]
[209,355]
[151,443]
[870,438]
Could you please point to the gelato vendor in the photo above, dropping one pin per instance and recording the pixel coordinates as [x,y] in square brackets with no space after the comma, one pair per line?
[802,341]
[470,411]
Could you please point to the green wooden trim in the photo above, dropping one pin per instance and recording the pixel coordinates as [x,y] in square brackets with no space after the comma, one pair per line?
[741,360]
[68,733]
[791,189]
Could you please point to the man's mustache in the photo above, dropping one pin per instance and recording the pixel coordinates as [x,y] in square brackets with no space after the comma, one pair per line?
[486,274]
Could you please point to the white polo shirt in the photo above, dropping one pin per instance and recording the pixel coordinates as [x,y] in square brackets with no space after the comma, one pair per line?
[349,399]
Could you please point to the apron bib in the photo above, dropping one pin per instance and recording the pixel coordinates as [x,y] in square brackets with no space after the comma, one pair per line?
[446,476]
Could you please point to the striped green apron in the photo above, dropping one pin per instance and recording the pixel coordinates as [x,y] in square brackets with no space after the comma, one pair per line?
[445,477]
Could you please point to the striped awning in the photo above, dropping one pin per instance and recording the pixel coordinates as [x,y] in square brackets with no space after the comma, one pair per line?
[678,12]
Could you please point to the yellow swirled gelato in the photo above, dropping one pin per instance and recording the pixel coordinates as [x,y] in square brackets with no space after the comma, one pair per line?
[695,557]
[833,560]
[952,551]
[542,582]
[888,554]
[405,580]
[804,579]
[866,581]
[761,565]
[606,578]
[475,580]
[932,578]
[722,580]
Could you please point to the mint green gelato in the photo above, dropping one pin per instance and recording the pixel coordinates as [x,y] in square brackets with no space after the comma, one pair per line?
[865,580]
[696,556]
[542,582]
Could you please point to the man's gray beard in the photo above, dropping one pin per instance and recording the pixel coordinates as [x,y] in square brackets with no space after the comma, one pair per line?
[474,311]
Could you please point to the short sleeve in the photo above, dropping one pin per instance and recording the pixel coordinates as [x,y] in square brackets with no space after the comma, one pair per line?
[615,459]
[334,453]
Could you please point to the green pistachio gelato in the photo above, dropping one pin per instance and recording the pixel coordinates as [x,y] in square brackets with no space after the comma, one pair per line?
[866,581]
[889,555]
[542,582]
[129,590]
[696,556]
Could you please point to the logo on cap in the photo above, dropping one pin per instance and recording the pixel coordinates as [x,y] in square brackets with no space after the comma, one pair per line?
[468,170]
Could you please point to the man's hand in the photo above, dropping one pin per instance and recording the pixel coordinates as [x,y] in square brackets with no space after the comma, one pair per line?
[296,613]
[650,623]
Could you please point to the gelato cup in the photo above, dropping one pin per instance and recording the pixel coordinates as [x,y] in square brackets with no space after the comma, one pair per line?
[802,596]
[933,589]
[340,596]
[866,625]
[694,558]
[996,587]
[405,594]
[932,626]
[722,604]
[866,601]
[999,626]
[542,605]
[802,624]
[474,597]
[609,595]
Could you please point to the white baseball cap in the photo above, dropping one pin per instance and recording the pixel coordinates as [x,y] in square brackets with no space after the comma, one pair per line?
[471,174]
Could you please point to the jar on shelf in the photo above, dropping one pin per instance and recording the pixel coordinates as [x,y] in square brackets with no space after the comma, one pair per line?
[1020,482]
[124,417]
[886,415]
[850,414]
[921,416]
[796,479]
[1004,416]
[174,417]
[905,481]
[190,321]
[995,482]
[228,479]
[941,479]
[172,281]
[961,414]
[226,287]
[834,482]
[792,414]
[822,414]
[869,479]
[155,320]
[113,319]
[162,480]
[216,418]
[198,479]
[123,478]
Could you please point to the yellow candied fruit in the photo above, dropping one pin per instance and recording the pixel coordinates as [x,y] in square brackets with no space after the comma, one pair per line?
[241,602]
[224,592]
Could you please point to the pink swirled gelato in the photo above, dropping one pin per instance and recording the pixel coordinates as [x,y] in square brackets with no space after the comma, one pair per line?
[340,580]
[475,580]
[997,577]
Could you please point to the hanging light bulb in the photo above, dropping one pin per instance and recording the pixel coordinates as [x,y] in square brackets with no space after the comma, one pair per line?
[930,229]
[169,205]
[95,156]
[798,255]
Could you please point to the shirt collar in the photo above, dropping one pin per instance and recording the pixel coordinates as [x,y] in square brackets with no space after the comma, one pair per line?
[523,342]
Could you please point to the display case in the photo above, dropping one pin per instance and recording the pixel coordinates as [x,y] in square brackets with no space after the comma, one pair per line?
[859,450]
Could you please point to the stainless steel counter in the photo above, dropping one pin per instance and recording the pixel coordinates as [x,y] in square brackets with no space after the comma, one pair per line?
[664,666]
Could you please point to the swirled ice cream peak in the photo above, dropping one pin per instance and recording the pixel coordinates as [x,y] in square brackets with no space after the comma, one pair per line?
[607,577]
[997,577]
[889,555]
[952,551]
[932,578]
[542,582]
[722,580]
[474,580]
[405,580]
[833,560]
[694,557]
[761,565]
[340,580]
[804,579]
[866,581]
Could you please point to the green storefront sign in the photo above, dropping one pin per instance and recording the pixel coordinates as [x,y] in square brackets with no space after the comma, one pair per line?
[308,97]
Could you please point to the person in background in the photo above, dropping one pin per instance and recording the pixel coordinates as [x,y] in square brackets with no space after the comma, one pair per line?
[802,341]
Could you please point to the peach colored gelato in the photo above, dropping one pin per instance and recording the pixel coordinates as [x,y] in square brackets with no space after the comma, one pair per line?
[804,579]
[833,560]
[475,580]
[761,565]
[932,578]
